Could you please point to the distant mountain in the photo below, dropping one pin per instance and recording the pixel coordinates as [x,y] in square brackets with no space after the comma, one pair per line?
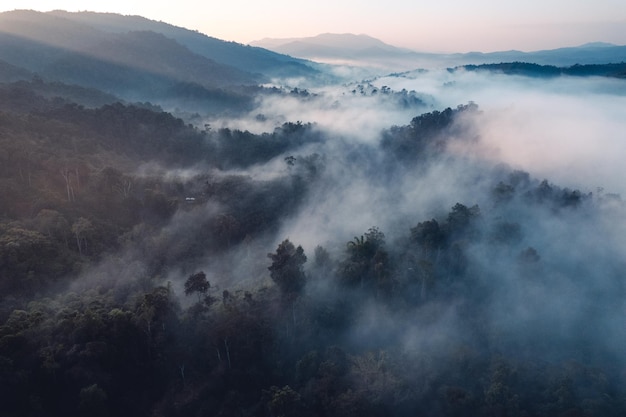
[345,44]
[69,51]
[242,57]
[590,53]
[597,45]
[365,50]
[336,48]
[136,59]
[121,59]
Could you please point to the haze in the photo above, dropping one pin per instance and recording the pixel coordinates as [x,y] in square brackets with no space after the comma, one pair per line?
[180,236]
[445,26]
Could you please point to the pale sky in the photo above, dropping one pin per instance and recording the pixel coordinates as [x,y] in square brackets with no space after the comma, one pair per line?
[437,26]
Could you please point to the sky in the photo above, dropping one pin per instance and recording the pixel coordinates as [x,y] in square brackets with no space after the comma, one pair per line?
[429,26]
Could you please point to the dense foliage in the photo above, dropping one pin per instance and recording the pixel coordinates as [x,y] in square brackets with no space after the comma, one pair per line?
[617,70]
[97,228]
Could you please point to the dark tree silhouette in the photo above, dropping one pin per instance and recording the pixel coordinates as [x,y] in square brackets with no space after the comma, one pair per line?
[287,268]
[197,283]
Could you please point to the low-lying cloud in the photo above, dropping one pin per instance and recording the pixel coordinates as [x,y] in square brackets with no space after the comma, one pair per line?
[567,129]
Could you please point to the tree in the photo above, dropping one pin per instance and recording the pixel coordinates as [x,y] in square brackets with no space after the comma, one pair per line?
[366,246]
[322,263]
[287,268]
[52,224]
[461,216]
[81,229]
[26,258]
[367,261]
[283,402]
[428,236]
[197,283]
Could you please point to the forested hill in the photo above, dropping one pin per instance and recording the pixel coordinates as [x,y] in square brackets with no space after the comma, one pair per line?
[242,57]
[152,268]
[137,60]
[536,70]
[61,48]
[80,164]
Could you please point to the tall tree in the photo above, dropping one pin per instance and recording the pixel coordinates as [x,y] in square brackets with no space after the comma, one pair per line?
[197,283]
[287,268]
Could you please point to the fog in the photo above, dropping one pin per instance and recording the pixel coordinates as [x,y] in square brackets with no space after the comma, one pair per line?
[364,242]
[532,271]
[355,110]
[566,130]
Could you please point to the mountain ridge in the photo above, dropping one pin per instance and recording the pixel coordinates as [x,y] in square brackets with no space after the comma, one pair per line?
[240,56]
[348,43]
[79,31]
[134,58]
[328,47]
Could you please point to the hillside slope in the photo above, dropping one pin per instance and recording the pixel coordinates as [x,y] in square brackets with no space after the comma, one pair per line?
[242,57]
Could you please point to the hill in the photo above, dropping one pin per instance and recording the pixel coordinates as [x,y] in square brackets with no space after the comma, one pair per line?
[137,277]
[390,265]
[331,44]
[347,48]
[587,54]
[243,57]
[536,70]
[365,50]
[135,61]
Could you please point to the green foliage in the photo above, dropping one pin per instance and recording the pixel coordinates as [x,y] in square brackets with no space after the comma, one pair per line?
[385,326]
[424,137]
[527,69]
[29,260]
[366,265]
[235,148]
[197,283]
[428,235]
[287,268]
[283,402]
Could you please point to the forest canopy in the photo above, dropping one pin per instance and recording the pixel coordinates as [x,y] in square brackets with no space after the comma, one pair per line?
[153,266]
